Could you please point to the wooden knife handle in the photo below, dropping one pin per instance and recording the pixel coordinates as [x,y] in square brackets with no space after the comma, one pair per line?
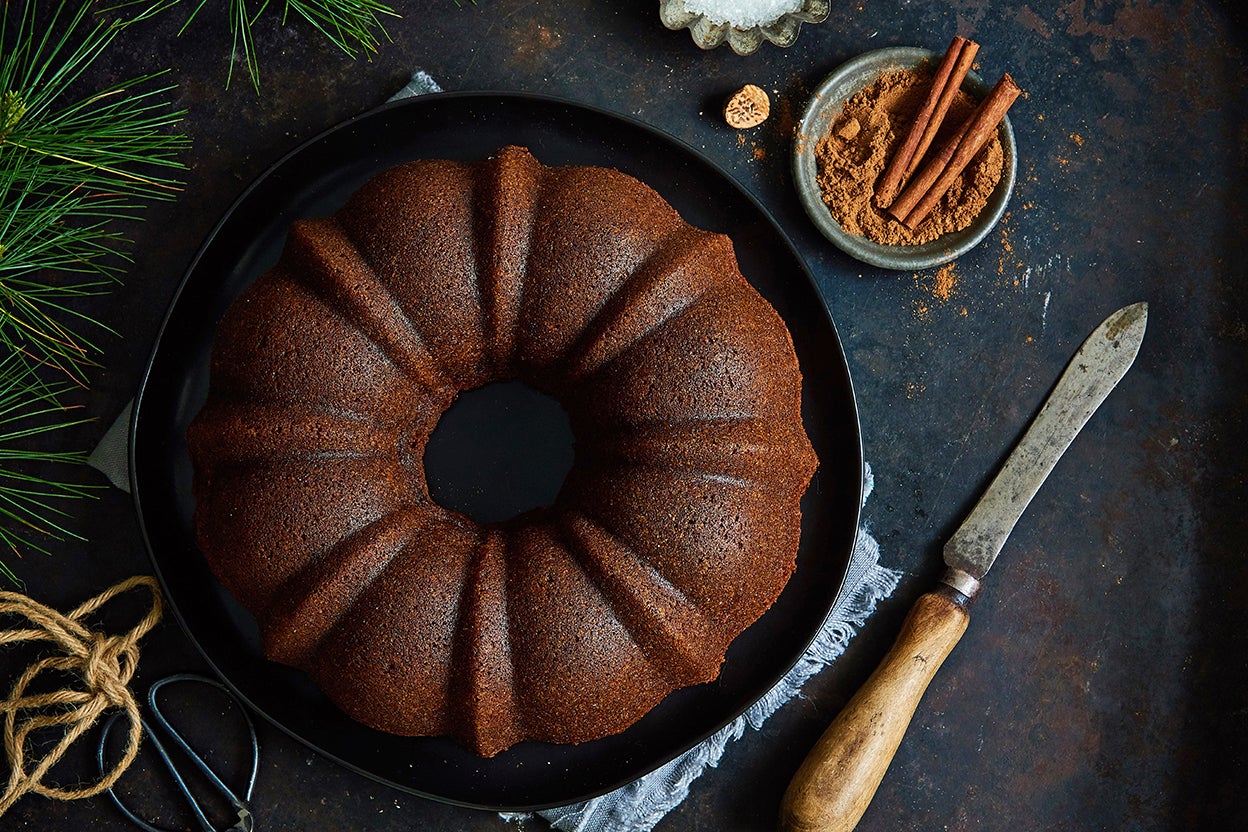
[839,777]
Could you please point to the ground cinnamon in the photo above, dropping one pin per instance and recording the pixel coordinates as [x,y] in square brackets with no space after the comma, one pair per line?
[851,158]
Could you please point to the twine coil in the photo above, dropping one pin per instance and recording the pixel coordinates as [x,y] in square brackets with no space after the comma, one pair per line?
[104,665]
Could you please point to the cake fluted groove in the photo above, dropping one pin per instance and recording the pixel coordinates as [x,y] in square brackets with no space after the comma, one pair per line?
[289,512]
[660,287]
[519,359]
[346,278]
[653,332]
[256,432]
[388,663]
[576,664]
[322,594]
[280,342]
[752,449]
[594,227]
[660,468]
[477,245]
[701,536]
[721,357]
[415,226]
[665,623]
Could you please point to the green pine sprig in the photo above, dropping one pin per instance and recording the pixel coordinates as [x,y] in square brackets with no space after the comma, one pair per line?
[354,26]
[30,510]
[68,169]
[71,166]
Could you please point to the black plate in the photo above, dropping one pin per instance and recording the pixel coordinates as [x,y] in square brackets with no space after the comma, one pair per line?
[314,180]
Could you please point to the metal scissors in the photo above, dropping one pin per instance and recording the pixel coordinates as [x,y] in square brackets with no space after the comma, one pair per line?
[246,820]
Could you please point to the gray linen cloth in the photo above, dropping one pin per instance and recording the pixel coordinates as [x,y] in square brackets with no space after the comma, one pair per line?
[640,805]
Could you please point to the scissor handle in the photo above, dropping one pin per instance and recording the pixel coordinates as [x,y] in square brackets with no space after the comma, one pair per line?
[246,820]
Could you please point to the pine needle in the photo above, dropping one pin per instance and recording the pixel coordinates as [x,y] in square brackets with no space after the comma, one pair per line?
[354,26]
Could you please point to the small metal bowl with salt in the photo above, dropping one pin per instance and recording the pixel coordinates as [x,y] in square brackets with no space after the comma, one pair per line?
[744,24]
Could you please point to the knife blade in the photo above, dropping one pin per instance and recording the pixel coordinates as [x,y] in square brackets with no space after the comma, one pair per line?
[1095,370]
[839,777]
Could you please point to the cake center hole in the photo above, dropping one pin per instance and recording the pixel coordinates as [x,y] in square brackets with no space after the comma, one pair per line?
[499,451]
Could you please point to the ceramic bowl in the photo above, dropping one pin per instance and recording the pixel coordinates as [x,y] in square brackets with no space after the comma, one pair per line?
[825,105]
[782,31]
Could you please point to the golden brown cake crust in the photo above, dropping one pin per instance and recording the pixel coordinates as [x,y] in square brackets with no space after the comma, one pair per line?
[677,527]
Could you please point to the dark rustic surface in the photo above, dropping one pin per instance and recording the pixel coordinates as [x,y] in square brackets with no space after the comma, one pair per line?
[1102,684]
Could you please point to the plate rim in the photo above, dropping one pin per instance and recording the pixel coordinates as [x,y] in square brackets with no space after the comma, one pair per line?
[842,366]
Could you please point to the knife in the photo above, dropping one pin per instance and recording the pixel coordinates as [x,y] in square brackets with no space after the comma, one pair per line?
[836,782]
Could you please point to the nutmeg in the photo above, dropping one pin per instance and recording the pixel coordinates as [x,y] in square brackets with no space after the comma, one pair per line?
[748,107]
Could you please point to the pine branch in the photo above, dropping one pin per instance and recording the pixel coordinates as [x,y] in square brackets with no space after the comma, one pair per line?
[354,26]
[69,168]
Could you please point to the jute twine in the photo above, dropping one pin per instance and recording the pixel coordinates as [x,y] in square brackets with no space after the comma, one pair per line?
[103,665]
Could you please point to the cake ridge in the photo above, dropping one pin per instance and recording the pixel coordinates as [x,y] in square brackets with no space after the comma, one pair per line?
[570,641]
[486,357]
[720,357]
[621,431]
[232,398]
[541,191]
[414,225]
[703,538]
[643,425]
[641,554]
[594,227]
[756,453]
[265,356]
[369,661]
[289,513]
[504,176]
[406,347]
[651,334]
[667,468]
[484,678]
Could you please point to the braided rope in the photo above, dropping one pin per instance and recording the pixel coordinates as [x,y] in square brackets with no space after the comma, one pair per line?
[104,665]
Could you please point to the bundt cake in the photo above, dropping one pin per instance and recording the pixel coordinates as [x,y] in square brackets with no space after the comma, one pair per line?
[676,528]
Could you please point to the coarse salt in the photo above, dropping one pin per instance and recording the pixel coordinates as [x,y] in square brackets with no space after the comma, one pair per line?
[743,13]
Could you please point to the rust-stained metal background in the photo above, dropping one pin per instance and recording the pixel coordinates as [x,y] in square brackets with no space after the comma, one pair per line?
[1104,681]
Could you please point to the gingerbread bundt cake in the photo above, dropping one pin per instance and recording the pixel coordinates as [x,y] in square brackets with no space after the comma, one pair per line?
[676,528]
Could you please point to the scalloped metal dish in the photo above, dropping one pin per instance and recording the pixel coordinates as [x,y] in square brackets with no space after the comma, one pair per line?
[743,40]
[314,180]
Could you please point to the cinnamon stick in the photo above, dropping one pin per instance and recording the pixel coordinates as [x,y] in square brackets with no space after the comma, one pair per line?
[918,186]
[945,85]
[965,58]
[925,190]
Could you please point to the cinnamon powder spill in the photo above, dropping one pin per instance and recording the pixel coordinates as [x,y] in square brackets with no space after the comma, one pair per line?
[864,136]
[946,279]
